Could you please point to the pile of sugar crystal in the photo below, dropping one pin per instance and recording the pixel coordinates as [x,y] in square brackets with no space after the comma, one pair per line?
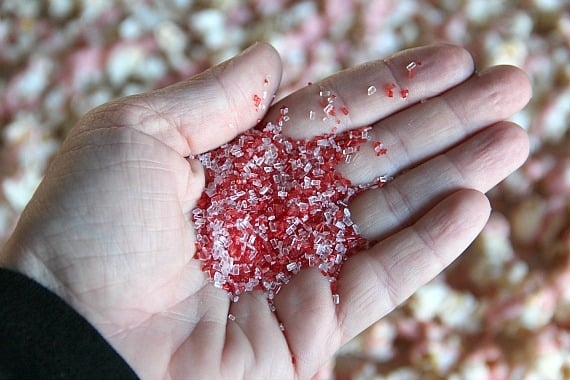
[273,206]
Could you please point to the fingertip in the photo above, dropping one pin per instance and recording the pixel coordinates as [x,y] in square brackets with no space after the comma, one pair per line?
[192,189]
[270,53]
[211,108]
[248,83]
[523,79]
[452,64]
[518,142]
[470,206]
[519,78]
[457,56]
[510,84]
[264,56]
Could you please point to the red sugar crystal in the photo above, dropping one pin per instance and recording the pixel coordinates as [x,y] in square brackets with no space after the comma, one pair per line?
[411,68]
[273,206]
[379,148]
[390,90]
[256,100]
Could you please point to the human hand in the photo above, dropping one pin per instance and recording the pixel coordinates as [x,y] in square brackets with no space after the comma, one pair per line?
[109,228]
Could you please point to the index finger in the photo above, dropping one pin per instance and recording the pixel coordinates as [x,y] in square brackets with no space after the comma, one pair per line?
[364,94]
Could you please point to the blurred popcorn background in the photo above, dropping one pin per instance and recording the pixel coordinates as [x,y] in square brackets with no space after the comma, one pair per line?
[502,311]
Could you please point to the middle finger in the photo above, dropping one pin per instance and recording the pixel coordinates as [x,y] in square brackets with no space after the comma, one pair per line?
[429,128]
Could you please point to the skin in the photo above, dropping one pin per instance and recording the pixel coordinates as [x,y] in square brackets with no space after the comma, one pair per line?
[108,229]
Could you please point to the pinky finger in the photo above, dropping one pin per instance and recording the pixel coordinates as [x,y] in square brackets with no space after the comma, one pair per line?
[375,281]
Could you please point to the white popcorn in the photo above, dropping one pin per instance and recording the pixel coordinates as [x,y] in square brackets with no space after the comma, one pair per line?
[547,366]
[460,311]
[454,309]
[91,9]
[35,78]
[170,37]
[19,190]
[527,219]
[59,8]
[210,25]
[404,373]
[130,29]
[512,51]
[123,62]
[54,75]
[558,116]
[471,371]
[427,302]
[538,310]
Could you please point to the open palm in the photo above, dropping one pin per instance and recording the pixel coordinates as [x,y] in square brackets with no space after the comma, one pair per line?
[109,228]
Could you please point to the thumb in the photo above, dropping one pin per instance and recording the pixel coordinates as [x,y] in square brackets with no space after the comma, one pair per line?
[209,109]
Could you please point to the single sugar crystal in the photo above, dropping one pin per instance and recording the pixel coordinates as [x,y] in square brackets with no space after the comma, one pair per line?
[336,299]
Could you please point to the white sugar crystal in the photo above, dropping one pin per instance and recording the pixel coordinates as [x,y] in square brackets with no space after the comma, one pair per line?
[336,299]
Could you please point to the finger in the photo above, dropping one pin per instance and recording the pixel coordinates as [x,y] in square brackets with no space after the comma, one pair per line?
[429,128]
[251,326]
[479,163]
[209,109]
[306,308]
[442,67]
[373,282]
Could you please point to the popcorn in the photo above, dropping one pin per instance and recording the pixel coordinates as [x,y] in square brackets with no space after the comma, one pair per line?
[512,281]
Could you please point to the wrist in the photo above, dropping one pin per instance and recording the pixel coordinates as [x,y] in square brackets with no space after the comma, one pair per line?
[18,255]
